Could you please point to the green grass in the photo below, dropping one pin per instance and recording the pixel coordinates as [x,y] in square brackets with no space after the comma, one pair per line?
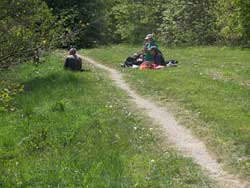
[78,130]
[209,91]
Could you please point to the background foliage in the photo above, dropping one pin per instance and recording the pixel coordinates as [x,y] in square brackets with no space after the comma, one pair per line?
[87,17]
[191,22]
[188,21]
[25,26]
[28,26]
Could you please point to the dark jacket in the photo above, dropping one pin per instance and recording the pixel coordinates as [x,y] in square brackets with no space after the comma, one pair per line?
[159,59]
[73,62]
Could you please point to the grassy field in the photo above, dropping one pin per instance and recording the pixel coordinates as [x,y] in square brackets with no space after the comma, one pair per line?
[66,129]
[209,92]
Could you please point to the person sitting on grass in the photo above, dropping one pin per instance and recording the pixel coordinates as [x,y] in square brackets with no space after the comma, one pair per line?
[133,61]
[157,56]
[148,43]
[73,61]
[158,60]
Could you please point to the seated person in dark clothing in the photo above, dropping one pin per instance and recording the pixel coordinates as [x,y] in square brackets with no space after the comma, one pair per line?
[157,55]
[136,59]
[73,61]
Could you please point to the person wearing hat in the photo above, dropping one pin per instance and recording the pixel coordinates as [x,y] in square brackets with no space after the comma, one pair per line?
[148,43]
[158,57]
[158,61]
[73,61]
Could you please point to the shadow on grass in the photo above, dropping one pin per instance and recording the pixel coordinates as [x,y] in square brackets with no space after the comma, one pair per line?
[55,80]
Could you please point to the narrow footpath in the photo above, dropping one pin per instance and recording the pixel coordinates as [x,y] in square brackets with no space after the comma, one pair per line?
[178,135]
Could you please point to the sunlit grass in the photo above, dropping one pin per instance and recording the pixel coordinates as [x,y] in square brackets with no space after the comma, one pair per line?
[77,130]
[211,88]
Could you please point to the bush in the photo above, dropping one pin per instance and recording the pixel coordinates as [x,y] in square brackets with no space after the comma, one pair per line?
[190,22]
[233,21]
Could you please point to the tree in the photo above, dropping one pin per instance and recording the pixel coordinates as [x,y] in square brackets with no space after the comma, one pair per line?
[87,17]
[188,21]
[26,26]
[245,19]
[234,21]
[132,20]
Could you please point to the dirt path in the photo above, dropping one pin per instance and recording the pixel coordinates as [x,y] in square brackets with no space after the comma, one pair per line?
[178,135]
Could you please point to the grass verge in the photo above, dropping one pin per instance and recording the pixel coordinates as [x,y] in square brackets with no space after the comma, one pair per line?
[69,129]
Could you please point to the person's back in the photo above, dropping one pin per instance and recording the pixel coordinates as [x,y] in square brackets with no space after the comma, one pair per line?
[73,61]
